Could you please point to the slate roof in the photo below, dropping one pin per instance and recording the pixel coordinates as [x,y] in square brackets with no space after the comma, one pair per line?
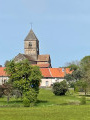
[31,36]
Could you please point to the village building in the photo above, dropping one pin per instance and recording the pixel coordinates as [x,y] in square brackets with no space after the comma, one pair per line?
[50,75]
[31,52]
[3,76]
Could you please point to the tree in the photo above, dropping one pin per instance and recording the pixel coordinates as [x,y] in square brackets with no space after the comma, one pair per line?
[6,89]
[81,74]
[85,65]
[6,63]
[23,76]
[60,88]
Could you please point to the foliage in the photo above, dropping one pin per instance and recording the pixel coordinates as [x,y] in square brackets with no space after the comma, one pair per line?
[80,75]
[60,88]
[69,92]
[85,63]
[6,89]
[24,77]
[31,95]
[6,63]
[69,77]
[26,102]
[83,100]
[73,67]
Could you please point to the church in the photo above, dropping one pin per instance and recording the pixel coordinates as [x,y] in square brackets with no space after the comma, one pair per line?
[31,52]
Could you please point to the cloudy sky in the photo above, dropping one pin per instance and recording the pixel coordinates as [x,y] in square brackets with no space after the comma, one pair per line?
[62,27]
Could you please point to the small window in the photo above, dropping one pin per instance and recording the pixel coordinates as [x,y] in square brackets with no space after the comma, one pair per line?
[30,44]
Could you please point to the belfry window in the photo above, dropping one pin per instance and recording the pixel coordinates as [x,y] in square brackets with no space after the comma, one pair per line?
[30,44]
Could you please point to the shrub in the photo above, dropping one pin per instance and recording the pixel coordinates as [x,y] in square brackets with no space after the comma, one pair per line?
[69,92]
[60,88]
[31,95]
[26,102]
[30,98]
[83,100]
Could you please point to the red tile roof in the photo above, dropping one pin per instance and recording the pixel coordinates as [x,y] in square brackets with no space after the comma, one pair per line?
[55,72]
[47,72]
[68,71]
[2,72]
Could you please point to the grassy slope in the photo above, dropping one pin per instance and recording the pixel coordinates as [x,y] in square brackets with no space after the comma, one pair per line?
[49,107]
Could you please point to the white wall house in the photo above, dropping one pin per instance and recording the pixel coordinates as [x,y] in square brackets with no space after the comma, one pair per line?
[50,75]
[3,76]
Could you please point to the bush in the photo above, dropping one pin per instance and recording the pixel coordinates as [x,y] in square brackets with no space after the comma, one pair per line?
[60,88]
[31,95]
[30,98]
[83,100]
[26,102]
[69,92]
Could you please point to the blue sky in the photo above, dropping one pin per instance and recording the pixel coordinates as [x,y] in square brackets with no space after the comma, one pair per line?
[62,27]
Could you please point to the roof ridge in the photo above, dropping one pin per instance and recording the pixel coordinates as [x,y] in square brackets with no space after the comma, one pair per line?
[50,72]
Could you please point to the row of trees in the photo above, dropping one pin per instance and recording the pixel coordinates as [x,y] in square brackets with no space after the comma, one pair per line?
[80,77]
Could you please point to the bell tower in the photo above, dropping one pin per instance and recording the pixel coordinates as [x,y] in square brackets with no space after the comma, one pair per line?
[31,45]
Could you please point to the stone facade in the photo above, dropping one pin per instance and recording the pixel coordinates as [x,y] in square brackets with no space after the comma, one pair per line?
[31,45]
[31,52]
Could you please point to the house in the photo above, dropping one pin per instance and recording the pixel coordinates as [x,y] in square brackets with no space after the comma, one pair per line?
[3,76]
[50,75]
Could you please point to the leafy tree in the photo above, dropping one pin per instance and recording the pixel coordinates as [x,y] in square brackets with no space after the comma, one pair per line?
[73,67]
[80,75]
[85,63]
[6,63]
[60,88]
[76,75]
[6,89]
[23,76]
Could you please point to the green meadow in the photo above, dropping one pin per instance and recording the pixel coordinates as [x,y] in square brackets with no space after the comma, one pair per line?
[48,107]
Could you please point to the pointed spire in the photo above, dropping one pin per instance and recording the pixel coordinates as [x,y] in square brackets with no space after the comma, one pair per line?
[31,36]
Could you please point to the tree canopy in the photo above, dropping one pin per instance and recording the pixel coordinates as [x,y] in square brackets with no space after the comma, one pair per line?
[24,76]
[81,74]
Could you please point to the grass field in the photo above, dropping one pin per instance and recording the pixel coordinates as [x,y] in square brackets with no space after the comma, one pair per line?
[48,107]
